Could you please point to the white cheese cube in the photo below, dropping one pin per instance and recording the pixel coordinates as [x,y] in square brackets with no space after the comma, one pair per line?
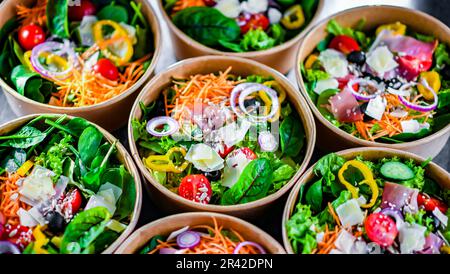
[323,85]
[334,62]
[376,108]
[350,213]
[381,60]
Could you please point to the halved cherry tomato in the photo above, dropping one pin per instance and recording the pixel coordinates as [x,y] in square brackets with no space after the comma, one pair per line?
[430,203]
[31,36]
[19,235]
[381,229]
[252,21]
[249,153]
[344,44]
[410,67]
[195,188]
[76,13]
[107,69]
[344,80]
[72,201]
[226,151]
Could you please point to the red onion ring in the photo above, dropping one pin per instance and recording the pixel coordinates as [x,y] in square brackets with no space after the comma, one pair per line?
[159,121]
[235,93]
[358,95]
[420,108]
[57,48]
[8,248]
[242,244]
[267,142]
[166,250]
[188,239]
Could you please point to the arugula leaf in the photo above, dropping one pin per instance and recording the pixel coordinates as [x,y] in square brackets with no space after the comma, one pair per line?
[58,18]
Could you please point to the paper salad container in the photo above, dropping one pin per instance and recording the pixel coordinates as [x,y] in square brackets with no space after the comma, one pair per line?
[279,57]
[173,203]
[331,138]
[432,170]
[172,223]
[111,114]
[123,156]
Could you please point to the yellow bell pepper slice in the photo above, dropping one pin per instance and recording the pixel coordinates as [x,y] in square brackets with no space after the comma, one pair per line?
[40,241]
[368,180]
[165,163]
[119,47]
[27,59]
[293,18]
[434,81]
[281,98]
[22,171]
[310,61]
[397,28]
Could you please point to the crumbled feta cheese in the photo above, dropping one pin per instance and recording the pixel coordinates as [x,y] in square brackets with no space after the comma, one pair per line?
[323,85]
[233,169]
[399,113]
[376,107]
[255,6]
[334,63]
[26,219]
[97,200]
[443,219]
[274,15]
[412,238]
[381,60]
[229,8]
[85,30]
[204,158]
[344,242]
[350,213]
[131,31]
[410,126]
[38,186]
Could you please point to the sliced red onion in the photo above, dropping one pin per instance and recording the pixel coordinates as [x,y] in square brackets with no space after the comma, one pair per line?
[174,234]
[235,94]
[160,121]
[188,239]
[8,248]
[267,142]
[254,88]
[58,49]
[242,244]
[394,213]
[360,96]
[166,250]
[420,107]
[433,244]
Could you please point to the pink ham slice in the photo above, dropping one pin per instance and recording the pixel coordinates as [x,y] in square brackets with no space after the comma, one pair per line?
[345,107]
[398,196]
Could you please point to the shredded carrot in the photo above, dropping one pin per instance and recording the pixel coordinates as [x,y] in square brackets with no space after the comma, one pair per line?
[183,4]
[10,202]
[215,242]
[35,15]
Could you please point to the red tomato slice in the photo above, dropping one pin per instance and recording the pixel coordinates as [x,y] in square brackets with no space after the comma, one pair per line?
[344,44]
[195,188]
[381,229]
[107,69]
[77,12]
[410,67]
[226,151]
[72,201]
[252,21]
[31,36]
[430,203]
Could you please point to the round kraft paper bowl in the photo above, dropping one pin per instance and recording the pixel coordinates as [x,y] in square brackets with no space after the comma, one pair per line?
[123,156]
[173,203]
[167,225]
[111,114]
[280,57]
[331,138]
[432,171]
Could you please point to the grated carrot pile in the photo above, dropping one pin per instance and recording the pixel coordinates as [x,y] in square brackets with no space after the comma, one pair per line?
[202,89]
[183,4]
[10,202]
[89,88]
[34,15]
[218,243]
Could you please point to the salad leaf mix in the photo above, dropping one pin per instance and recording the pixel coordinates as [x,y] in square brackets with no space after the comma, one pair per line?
[241,26]
[220,138]
[62,188]
[358,206]
[388,85]
[69,55]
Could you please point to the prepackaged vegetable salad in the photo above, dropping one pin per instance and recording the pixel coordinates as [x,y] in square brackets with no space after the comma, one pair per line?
[62,189]
[221,138]
[241,26]
[75,53]
[357,206]
[389,85]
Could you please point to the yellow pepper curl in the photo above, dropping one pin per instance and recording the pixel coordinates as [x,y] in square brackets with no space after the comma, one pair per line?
[165,163]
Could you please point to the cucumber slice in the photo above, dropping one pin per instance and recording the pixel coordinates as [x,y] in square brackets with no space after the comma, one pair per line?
[396,171]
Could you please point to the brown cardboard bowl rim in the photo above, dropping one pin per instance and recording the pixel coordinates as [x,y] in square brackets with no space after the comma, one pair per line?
[221,208]
[249,54]
[127,160]
[328,124]
[348,154]
[167,221]
[142,80]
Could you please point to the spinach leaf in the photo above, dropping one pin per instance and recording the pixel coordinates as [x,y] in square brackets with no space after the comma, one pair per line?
[327,167]
[309,7]
[412,136]
[89,143]
[26,137]
[30,84]
[113,12]
[292,136]
[314,196]
[14,160]
[127,200]
[284,172]
[152,244]
[84,229]
[92,178]
[77,126]
[7,29]
[325,216]
[441,122]
[143,45]
[58,18]
[207,25]
[253,184]
[104,240]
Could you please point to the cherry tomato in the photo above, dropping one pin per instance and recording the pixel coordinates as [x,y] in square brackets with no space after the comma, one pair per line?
[410,67]
[252,21]
[76,13]
[19,235]
[344,44]
[31,36]
[249,153]
[210,3]
[381,229]
[72,201]
[430,203]
[226,151]
[106,69]
[344,80]
[195,188]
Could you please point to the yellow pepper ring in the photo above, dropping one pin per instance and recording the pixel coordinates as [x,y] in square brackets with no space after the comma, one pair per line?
[165,163]
[368,179]
[119,35]
[396,28]
[293,18]
[433,80]
[266,99]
